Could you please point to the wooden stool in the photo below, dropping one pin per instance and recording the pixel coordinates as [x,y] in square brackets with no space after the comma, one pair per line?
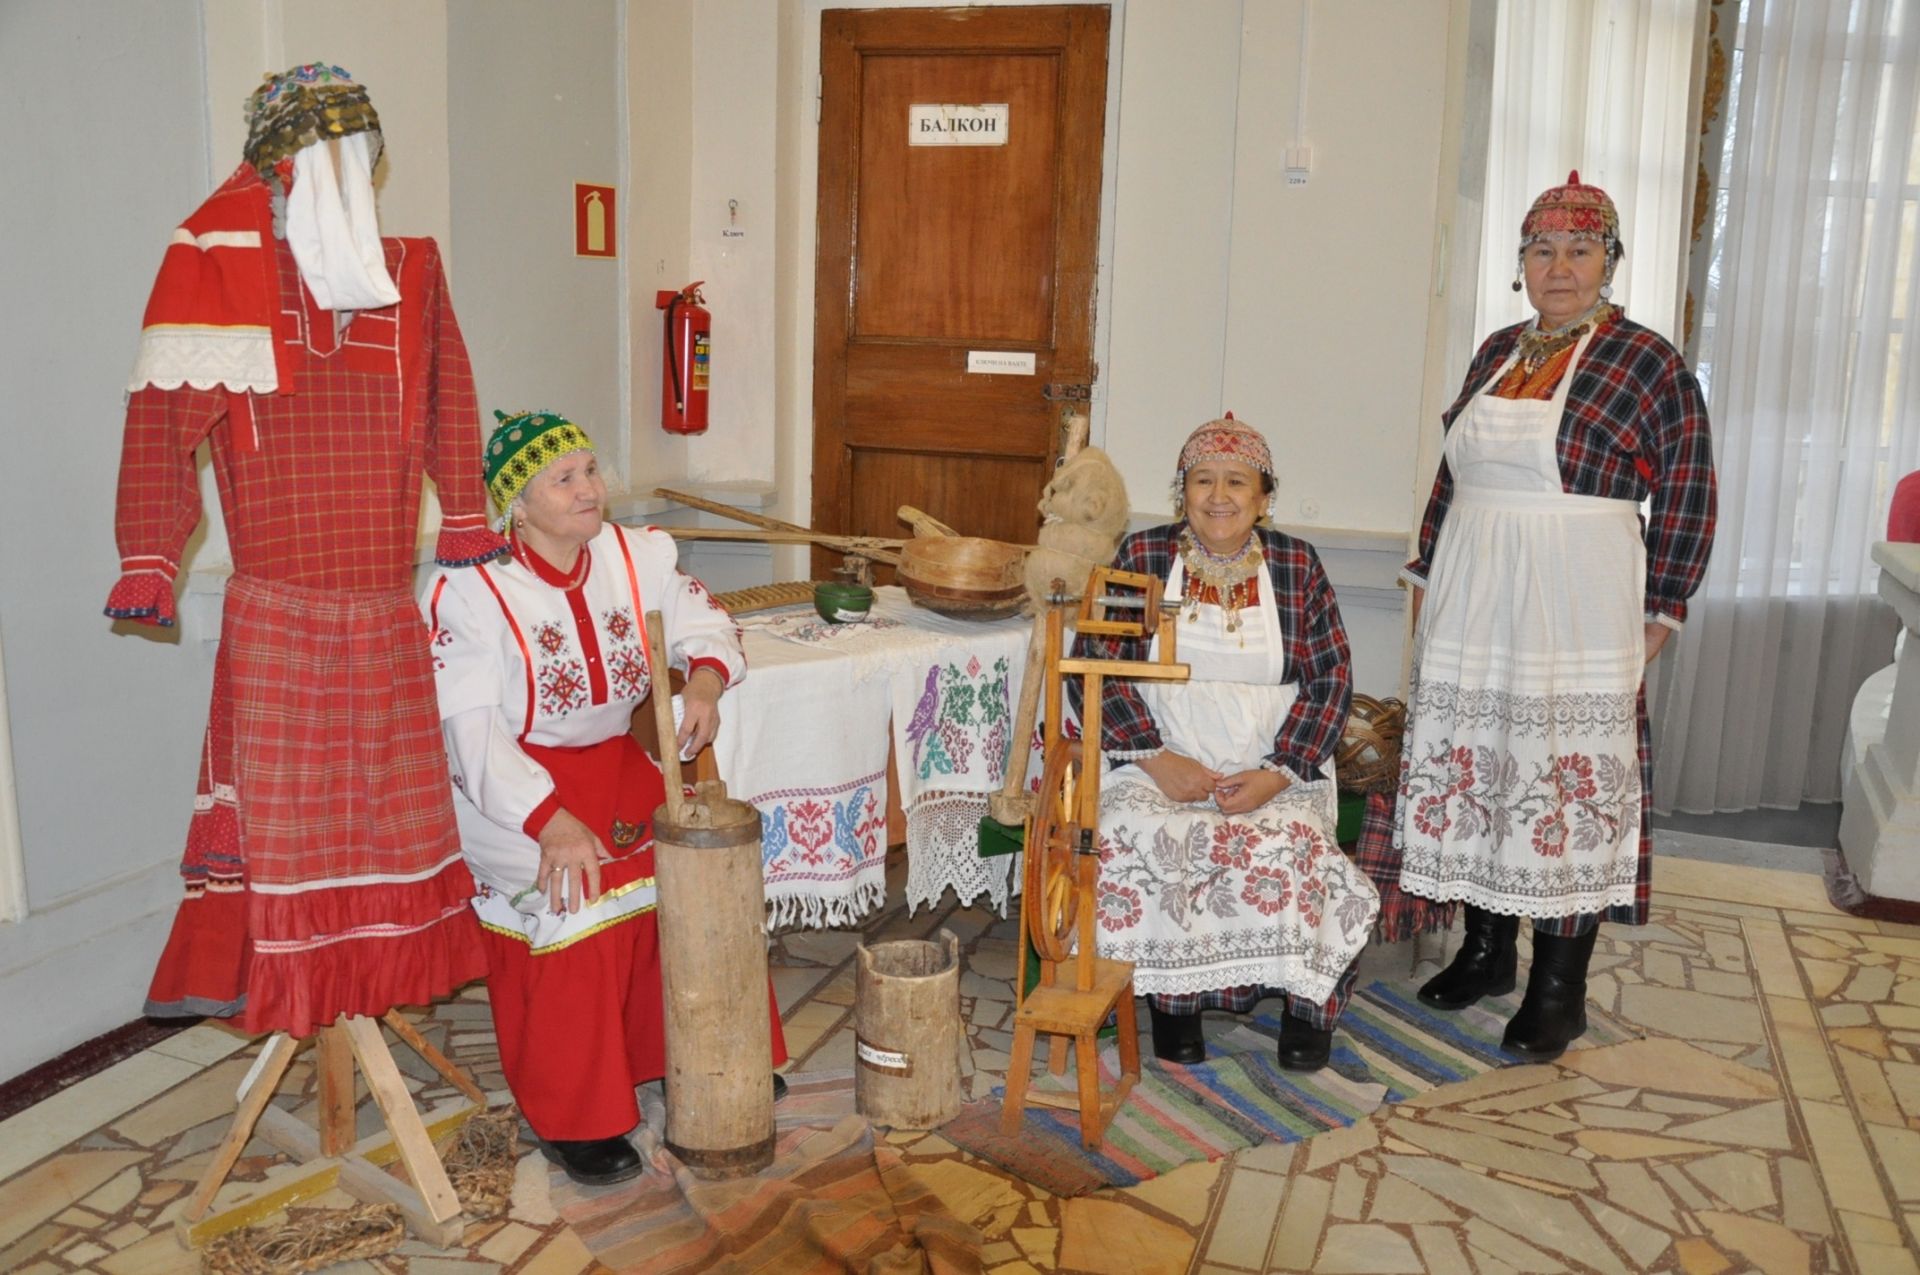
[1060,882]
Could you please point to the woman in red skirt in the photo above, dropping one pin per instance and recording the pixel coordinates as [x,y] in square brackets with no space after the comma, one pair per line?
[540,659]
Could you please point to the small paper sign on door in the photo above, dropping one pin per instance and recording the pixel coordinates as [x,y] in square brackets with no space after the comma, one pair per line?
[954,124]
[1001,362]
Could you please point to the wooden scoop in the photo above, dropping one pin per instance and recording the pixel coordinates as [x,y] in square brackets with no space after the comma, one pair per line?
[923,523]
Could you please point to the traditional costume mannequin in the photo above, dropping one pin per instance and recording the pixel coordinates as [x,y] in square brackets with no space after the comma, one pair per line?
[541,660]
[326,370]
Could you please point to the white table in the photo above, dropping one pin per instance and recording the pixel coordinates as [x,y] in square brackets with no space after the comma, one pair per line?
[806,737]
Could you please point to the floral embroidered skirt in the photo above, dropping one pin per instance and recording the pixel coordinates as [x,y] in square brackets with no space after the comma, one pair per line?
[1520,780]
[1201,901]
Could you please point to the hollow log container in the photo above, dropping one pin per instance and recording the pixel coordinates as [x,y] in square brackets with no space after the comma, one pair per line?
[907,1032]
[713,978]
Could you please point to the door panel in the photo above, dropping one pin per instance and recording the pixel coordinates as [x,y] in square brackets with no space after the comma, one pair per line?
[928,252]
[930,217]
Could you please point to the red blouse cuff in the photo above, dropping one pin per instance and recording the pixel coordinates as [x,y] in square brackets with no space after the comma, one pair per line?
[465,548]
[543,814]
[144,592]
[707,661]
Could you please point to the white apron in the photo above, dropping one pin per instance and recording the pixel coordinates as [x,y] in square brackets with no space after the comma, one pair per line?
[1201,901]
[1520,774]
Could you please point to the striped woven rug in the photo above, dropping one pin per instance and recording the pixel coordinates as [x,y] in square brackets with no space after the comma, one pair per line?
[1388,1048]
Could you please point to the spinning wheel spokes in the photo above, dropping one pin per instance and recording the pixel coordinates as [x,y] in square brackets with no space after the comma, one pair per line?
[1052,876]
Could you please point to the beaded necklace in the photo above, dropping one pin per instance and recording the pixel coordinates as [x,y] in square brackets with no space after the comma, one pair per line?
[1536,344]
[1229,576]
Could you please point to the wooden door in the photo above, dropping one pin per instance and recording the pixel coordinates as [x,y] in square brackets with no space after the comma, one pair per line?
[933,255]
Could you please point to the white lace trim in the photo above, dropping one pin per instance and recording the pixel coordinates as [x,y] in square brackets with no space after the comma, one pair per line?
[1533,908]
[943,849]
[1289,976]
[203,356]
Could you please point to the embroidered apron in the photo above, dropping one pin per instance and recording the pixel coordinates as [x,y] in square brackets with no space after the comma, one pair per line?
[1520,778]
[1199,900]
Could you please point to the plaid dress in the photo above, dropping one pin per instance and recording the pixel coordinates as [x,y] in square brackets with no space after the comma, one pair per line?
[1633,428]
[322,870]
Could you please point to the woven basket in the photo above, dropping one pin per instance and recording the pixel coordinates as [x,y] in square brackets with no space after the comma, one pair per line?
[1367,759]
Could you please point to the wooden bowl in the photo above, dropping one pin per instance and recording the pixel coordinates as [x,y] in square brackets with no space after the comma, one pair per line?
[965,576]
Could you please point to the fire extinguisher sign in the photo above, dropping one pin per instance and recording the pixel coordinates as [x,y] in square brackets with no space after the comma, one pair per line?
[594,221]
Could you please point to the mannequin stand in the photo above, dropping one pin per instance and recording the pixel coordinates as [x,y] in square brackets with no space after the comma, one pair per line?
[330,1153]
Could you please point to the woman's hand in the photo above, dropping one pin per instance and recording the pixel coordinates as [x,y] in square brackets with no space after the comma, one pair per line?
[700,721]
[570,858]
[1657,635]
[1180,778]
[1247,790]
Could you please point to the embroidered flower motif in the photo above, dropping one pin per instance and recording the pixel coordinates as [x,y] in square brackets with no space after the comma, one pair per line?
[1550,835]
[1118,906]
[1268,889]
[810,823]
[1304,843]
[549,637]
[563,687]
[627,669]
[1430,816]
[1456,771]
[618,623]
[1575,774]
[1233,844]
[1313,899]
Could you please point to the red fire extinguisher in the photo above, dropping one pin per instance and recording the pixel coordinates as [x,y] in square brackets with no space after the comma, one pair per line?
[689,353]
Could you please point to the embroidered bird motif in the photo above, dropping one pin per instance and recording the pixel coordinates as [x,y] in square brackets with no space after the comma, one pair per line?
[923,712]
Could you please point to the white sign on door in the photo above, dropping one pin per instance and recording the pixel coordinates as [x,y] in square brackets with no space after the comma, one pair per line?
[951,124]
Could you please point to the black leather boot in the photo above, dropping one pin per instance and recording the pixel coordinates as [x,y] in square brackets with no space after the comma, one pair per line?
[779,1086]
[1177,1037]
[1485,965]
[1554,1011]
[596,1162]
[1303,1047]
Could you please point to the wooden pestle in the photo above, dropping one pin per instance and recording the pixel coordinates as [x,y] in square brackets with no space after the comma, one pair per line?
[663,714]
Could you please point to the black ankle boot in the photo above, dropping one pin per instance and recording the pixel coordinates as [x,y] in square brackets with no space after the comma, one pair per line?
[1304,1047]
[1485,965]
[596,1162]
[1177,1037]
[1554,1011]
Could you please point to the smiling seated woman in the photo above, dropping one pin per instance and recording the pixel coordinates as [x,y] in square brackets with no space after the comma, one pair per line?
[1220,878]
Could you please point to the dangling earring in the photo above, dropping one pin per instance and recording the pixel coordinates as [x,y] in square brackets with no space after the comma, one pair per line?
[1606,290]
[1519,271]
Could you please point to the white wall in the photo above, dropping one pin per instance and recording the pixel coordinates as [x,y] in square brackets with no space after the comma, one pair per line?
[103,121]
[534,107]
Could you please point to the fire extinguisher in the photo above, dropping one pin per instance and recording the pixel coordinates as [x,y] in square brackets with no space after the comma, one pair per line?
[689,353]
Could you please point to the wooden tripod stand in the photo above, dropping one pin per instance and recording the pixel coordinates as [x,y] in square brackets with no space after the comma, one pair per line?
[330,1152]
[1061,878]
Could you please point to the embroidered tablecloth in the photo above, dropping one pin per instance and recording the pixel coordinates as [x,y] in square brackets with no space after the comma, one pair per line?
[804,739]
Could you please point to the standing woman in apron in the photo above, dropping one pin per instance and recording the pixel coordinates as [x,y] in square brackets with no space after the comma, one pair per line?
[1540,595]
[1220,878]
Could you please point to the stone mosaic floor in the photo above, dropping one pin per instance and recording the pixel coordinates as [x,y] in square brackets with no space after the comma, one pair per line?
[1768,1120]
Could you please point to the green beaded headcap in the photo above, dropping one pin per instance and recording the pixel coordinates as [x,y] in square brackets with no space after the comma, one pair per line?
[524,444]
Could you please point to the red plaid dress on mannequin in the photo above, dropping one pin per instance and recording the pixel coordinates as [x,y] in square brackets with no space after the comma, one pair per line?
[323,870]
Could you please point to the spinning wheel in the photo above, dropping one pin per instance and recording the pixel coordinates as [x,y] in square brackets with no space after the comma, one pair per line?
[1061,877]
[1057,873]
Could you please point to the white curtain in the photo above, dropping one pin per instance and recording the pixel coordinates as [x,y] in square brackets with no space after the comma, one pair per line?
[1813,385]
[1607,87]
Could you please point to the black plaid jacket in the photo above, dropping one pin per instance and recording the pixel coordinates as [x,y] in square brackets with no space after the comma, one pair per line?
[1635,424]
[1316,642]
